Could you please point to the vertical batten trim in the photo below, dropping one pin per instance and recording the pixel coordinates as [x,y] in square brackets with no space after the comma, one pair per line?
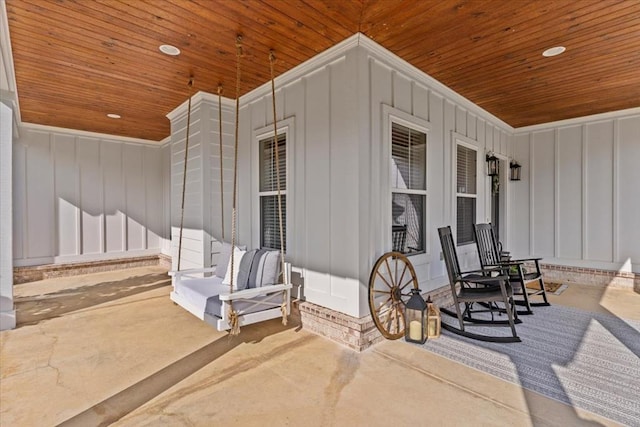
[145,229]
[556,193]
[448,181]
[55,241]
[103,217]
[428,101]
[329,69]
[615,195]
[531,195]
[79,225]
[125,215]
[585,248]
[25,201]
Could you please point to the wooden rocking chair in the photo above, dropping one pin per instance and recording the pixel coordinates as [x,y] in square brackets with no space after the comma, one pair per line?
[490,256]
[479,292]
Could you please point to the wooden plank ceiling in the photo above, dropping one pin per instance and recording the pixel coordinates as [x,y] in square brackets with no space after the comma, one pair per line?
[77,60]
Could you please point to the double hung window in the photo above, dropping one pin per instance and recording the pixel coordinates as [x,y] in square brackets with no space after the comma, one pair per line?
[466,193]
[408,188]
[268,191]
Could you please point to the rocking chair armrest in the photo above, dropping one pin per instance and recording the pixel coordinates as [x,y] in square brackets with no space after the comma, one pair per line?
[254,292]
[487,269]
[487,280]
[521,260]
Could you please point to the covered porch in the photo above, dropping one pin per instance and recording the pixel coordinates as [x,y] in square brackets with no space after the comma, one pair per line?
[129,356]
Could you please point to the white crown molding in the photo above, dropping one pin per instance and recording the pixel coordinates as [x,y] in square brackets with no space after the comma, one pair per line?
[95,135]
[580,120]
[395,62]
[302,70]
[198,99]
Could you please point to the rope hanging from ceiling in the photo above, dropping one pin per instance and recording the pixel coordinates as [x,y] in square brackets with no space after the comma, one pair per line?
[233,315]
[184,172]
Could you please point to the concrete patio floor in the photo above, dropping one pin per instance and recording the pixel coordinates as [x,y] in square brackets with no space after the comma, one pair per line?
[112,348]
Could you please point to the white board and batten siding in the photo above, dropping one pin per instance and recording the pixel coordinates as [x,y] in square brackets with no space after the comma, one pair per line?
[83,197]
[578,202]
[338,195]
[399,90]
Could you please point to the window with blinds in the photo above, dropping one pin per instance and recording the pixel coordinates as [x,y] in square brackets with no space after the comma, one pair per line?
[408,188]
[268,192]
[466,183]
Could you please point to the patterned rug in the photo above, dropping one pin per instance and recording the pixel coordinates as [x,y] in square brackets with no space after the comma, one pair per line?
[586,360]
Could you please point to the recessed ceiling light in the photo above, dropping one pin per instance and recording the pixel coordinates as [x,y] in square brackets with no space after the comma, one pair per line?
[554,51]
[114,116]
[167,49]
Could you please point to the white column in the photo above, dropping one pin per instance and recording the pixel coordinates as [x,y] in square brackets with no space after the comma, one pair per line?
[7,311]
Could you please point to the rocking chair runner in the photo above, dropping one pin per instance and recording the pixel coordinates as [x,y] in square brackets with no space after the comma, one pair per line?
[490,256]
[473,288]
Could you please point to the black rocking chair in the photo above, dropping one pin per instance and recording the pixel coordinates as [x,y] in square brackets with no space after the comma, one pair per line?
[490,257]
[480,293]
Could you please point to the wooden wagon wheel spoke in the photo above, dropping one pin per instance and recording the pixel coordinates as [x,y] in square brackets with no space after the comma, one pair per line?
[389,284]
[383,305]
[384,280]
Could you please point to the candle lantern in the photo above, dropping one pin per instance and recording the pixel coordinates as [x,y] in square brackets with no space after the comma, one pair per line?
[415,318]
[433,319]
[493,165]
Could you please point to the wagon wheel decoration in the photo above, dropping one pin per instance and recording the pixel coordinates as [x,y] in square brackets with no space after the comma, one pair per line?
[390,286]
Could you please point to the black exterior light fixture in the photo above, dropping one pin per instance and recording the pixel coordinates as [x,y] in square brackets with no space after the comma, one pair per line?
[493,165]
[514,172]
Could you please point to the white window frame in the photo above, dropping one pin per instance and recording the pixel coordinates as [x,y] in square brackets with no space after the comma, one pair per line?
[463,143]
[393,115]
[286,128]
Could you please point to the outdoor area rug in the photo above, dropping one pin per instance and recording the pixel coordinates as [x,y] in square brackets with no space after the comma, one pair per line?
[587,360]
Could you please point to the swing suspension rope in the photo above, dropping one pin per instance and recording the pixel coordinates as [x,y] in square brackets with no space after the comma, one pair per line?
[184,172]
[233,317]
[283,307]
[221,171]
[233,314]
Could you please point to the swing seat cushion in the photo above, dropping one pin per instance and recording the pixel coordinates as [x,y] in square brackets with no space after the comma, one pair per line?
[253,269]
[265,269]
[223,259]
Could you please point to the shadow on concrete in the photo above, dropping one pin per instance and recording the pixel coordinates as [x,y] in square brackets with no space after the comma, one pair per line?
[34,309]
[122,403]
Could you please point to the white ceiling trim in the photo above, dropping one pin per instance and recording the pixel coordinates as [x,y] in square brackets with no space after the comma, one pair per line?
[579,120]
[94,135]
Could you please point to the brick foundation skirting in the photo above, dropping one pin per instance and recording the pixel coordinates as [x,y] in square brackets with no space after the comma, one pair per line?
[48,271]
[590,276]
[356,333]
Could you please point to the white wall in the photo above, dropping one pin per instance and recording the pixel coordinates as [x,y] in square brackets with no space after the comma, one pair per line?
[336,193]
[579,200]
[81,196]
[7,311]
[202,226]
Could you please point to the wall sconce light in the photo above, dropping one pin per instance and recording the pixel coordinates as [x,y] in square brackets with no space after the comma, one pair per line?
[514,167]
[493,165]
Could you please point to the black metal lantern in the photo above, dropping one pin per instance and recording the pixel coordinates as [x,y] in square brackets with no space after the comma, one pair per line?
[514,173]
[415,318]
[493,165]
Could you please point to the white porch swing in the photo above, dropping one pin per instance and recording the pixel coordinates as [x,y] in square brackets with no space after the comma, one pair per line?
[246,286]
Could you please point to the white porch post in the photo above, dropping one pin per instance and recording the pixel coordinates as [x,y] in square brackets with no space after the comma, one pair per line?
[7,311]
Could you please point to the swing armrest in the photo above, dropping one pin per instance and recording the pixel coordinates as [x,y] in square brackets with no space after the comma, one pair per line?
[178,273]
[254,292]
